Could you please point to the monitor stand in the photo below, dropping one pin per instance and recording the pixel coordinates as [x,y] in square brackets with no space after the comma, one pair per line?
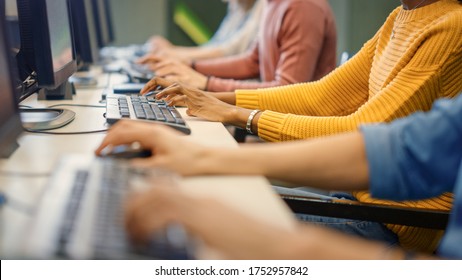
[62,92]
[46,118]
[8,151]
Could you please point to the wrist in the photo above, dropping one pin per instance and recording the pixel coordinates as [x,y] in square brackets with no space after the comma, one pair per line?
[251,126]
[203,82]
[236,116]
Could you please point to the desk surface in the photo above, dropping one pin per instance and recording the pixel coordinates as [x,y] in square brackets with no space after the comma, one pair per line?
[38,154]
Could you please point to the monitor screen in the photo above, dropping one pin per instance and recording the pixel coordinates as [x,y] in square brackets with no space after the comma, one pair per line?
[60,33]
[85,34]
[46,41]
[10,122]
[104,22]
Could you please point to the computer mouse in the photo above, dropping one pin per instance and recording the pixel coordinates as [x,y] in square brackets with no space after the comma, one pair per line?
[127,152]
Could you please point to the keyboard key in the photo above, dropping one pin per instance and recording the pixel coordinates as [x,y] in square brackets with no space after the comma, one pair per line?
[144,108]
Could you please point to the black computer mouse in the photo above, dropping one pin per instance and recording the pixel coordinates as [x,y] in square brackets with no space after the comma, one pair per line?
[127,152]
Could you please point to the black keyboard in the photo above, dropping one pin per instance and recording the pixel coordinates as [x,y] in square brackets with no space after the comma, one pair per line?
[110,240]
[144,108]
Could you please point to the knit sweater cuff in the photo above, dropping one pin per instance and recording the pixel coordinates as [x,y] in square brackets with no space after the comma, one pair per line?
[247,99]
[270,125]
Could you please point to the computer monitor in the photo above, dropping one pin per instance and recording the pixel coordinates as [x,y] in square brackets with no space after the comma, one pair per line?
[10,122]
[12,23]
[47,46]
[103,19]
[86,42]
[45,60]
[85,33]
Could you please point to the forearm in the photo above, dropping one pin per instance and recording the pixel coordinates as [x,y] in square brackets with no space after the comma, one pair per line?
[243,66]
[338,161]
[205,53]
[227,97]
[335,162]
[313,242]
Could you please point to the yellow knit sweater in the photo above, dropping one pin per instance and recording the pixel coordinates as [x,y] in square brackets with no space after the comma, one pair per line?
[390,77]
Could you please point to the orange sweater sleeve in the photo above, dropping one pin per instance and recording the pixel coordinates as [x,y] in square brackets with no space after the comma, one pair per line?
[391,77]
[345,98]
[338,93]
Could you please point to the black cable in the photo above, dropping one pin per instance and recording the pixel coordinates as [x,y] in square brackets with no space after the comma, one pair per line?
[65,133]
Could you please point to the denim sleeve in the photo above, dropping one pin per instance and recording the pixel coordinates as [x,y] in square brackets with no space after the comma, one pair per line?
[451,244]
[418,156]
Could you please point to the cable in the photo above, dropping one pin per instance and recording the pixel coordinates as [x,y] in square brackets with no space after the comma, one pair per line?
[76,105]
[66,133]
[16,205]
[69,133]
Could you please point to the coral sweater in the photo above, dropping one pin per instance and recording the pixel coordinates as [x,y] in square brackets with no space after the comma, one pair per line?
[296,43]
[389,78]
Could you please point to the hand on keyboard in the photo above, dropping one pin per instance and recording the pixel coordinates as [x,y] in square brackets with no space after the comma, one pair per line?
[146,109]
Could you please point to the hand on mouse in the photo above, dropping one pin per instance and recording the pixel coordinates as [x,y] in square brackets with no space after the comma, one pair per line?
[168,147]
[133,150]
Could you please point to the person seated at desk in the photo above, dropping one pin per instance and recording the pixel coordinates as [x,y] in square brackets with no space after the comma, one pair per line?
[234,36]
[411,158]
[411,61]
[296,43]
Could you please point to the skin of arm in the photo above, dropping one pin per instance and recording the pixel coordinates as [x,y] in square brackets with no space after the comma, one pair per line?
[203,218]
[208,220]
[187,55]
[343,155]
[238,115]
[213,107]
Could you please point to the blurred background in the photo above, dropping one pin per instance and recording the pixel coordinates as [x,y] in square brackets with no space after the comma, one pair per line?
[136,20]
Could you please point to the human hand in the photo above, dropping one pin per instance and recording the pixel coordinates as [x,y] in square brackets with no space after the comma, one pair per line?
[158,43]
[168,147]
[175,70]
[221,227]
[200,103]
[175,54]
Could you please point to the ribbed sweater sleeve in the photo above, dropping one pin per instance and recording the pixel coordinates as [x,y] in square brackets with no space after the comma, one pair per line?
[414,59]
[338,93]
[366,89]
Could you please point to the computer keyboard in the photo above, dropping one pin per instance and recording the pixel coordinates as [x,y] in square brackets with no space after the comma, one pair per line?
[126,52]
[92,220]
[137,73]
[139,107]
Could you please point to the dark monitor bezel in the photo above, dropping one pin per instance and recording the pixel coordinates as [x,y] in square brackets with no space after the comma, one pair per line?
[102,13]
[85,31]
[12,127]
[36,44]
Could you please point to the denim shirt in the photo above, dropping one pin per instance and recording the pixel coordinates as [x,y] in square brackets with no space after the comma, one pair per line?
[420,157]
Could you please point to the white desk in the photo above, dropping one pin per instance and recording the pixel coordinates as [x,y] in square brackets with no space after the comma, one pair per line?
[39,153]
